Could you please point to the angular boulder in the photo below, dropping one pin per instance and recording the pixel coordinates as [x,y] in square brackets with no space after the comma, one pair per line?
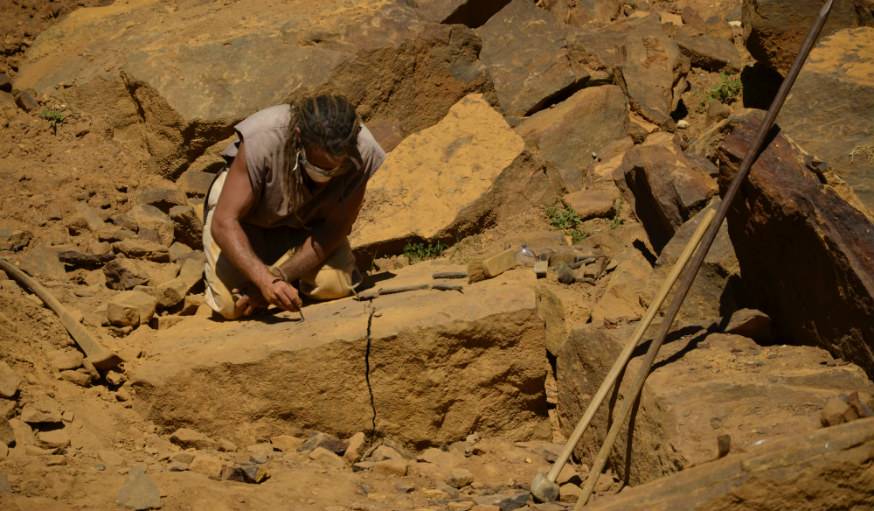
[666,187]
[806,255]
[430,184]
[701,386]
[829,468]
[836,86]
[775,29]
[569,133]
[526,52]
[442,365]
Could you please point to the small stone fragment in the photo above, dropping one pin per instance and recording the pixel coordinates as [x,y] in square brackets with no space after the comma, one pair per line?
[63,360]
[568,474]
[355,447]
[207,465]
[131,308]
[384,452]
[7,436]
[569,493]
[139,491]
[78,377]
[9,381]
[53,439]
[251,473]
[186,438]
[115,378]
[42,411]
[324,440]
[326,457]
[26,101]
[750,323]
[837,411]
[286,443]
[465,505]
[459,478]
[260,453]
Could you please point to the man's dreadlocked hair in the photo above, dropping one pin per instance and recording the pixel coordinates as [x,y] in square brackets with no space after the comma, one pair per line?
[328,122]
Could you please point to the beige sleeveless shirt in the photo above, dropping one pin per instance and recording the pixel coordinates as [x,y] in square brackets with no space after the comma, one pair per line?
[266,134]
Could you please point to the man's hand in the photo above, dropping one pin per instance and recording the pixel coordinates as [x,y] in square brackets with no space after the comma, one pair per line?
[281,294]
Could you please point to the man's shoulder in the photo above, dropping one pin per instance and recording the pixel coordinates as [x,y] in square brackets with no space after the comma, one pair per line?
[369,149]
[270,118]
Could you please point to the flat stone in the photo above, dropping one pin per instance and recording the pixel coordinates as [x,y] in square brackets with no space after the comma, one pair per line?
[43,263]
[465,153]
[569,493]
[139,491]
[326,457]
[85,218]
[136,248]
[708,52]
[178,251]
[260,453]
[505,501]
[531,62]
[62,360]
[9,381]
[130,308]
[330,343]
[384,452]
[286,443]
[14,241]
[185,438]
[195,183]
[53,439]
[110,458]
[41,411]
[459,477]
[174,291]
[590,204]
[208,465]
[836,82]
[80,377]
[324,440]
[125,274]
[778,385]
[161,197]
[26,100]
[567,134]
[153,224]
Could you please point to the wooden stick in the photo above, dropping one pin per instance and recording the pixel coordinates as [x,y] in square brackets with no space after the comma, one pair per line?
[623,358]
[97,353]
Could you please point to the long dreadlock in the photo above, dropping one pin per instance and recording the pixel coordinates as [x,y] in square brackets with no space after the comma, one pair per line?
[324,121]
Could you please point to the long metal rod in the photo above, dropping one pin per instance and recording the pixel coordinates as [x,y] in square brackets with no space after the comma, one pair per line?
[690,272]
[632,343]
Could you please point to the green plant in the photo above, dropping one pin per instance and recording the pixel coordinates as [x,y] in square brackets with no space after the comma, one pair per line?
[563,217]
[726,90]
[419,251]
[55,118]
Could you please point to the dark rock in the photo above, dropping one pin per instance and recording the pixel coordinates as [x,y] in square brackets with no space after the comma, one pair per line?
[163,198]
[666,188]
[833,86]
[567,134]
[139,491]
[188,226]
[26,101]
[565,274]
[74,259]
[248,473]
[14,240]
[775,29]
[806,255]
[5,83]
[750,323]
[123,274]
[325,441]
[507,501]
[710,53]
[530,63]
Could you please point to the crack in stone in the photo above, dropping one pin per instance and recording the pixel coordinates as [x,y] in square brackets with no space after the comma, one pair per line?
[372,310]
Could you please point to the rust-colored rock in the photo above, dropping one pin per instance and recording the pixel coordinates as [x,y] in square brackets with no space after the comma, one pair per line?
[806,255]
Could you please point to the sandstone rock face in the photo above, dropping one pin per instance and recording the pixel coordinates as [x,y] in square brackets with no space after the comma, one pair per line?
[526,52]
[169,97]
[831,464]
[440,367]
[806,256]
[463,155]
[775,29]
[836,85]
[568,134]
[700,388]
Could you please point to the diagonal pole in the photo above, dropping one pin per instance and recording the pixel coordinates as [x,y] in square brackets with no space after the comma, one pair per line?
[691,271]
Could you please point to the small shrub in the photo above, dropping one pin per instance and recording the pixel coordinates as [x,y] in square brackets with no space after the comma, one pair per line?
[563,217]
[727,90]
[55,118]
[420,251]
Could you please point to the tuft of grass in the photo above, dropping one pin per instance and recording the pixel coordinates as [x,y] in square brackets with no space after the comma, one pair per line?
[863,152]
[563,217]
[727,90]
[420,251]
[55,118]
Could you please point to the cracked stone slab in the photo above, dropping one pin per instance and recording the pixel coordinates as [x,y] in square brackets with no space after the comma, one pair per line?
[443,364]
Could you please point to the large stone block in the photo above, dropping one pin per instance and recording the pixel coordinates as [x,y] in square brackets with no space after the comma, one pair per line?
[567,134]
[806,256]
[830,111]
[430,184]
[700,388]
[442,365]
[526,52]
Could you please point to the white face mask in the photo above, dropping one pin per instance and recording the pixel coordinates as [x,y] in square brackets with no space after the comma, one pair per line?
[316,173]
